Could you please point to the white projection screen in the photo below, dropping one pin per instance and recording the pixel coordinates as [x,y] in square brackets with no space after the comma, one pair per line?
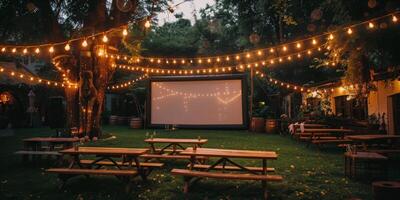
[198,102]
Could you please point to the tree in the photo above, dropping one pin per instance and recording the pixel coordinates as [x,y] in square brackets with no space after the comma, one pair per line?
[38,21]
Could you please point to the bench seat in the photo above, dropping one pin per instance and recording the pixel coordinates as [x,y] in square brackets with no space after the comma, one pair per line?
[232,168]
[167,156]
[142,164]
[92,171]
[219,175]
[331,141]
[44,153]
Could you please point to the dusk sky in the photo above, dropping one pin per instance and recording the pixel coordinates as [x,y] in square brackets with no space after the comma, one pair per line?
[187,8]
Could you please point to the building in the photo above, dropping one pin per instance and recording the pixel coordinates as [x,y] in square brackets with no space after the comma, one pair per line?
[382,99]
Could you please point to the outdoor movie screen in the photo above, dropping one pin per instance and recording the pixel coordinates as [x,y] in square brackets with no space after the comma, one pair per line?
[197,102]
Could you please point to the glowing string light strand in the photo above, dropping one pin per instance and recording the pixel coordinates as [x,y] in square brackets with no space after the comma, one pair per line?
[31,79]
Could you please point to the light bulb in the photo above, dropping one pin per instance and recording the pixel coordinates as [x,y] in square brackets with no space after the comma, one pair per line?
[14,50]
[125,32]
[394,18]
[371,25]
[284,48]
[25,51]
[105,39]
[84,43]
[147,24]
[314,42]
[349,31]
[67,47]
[271,50]
[298,45]
[331,37]
[37,50]
[51,49]
[3,49]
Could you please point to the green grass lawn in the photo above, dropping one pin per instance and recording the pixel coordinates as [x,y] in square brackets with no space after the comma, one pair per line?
[308,173]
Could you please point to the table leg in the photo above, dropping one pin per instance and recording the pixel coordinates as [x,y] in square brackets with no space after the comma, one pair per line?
[264,183]
[140,169]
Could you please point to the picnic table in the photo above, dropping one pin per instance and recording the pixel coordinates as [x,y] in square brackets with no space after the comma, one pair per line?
[171,147]
[379,141]
[225,163]
[106,163]
[323,135]
[39,146]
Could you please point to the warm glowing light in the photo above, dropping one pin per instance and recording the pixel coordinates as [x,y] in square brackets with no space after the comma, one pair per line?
[314,41]
[349,31]
[298,45]
[259,53]
[331,36]
[67,47]
[14,50]
[237,57]
[37,50]
[271,50]
[371,25]
[3,49]
[125,32]
[394,18]
[105,39]
[25,51]
[147,24]
[84,43]
[284,48]
[227,58]
[51,49]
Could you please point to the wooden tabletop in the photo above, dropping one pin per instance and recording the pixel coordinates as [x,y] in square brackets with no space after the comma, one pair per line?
[50,139]
[372,137]
[176,140]
[229,153]
[105,151]
[326,130]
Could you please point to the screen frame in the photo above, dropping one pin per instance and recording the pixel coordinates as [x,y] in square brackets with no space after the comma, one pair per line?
[241,77]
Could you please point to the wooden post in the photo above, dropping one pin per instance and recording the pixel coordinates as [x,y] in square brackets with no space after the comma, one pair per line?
[251,91]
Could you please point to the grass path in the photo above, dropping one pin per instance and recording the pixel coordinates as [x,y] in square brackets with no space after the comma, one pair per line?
[308,173]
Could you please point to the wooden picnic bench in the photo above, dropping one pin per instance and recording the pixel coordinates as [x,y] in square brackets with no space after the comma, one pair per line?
[105,163]
[44,146]
[323,136]
[225,163]
[172,148]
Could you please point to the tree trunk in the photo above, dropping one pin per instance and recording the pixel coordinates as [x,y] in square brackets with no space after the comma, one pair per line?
[84,104]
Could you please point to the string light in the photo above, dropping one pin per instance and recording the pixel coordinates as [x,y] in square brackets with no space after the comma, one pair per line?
[25,51]
[33,79]
[125,32]
[147,24]
[67,47]
[331,36]
[314,41]
[37,50]
[3,49]
[371,25]
[349,31]
[105,38]
[51,49]
[394,18]
[84,43]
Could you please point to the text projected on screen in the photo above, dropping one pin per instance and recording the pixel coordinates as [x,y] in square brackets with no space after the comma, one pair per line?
[205,102]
